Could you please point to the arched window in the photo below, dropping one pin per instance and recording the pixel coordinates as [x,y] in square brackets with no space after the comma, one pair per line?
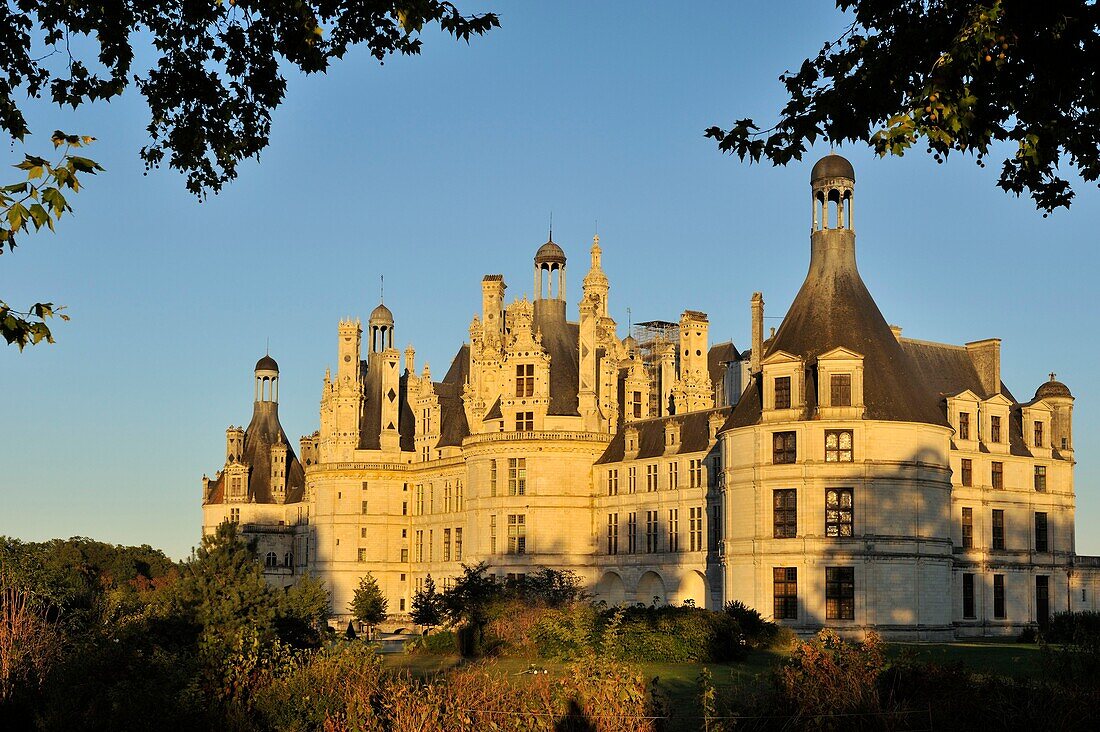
[271,561]
[288,560]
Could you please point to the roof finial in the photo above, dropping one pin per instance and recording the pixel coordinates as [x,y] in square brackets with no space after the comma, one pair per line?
[629,325]
[551,227]
[1052,376]
[267,350]
[382,289]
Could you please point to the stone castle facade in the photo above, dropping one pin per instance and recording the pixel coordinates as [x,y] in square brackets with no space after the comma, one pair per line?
[834,474]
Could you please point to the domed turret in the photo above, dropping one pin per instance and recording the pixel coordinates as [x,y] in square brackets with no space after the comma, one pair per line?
[381,315]
[380,324]
[267,363]
[833,166]
[267,380]
[1052,388]
[550,253]
[550,261]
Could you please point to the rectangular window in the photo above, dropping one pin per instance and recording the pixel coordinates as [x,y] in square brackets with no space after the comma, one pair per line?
[1042,599]
[362,555]
[362,533]
[525,380]
[517,533]
[1038,434]
[695,473]
[446,545]
[695,529]
[431,545]
[420,545]
[997,474]
[636,404]
[632,533]
[784,513]
[674,529]
[493,534]
[715,528]
[493,477]
[964,425]
[967,471]
[673,476]
[447,497]
[612,533]
[420,499]
[1041,478]
[840,593]
[612,482]
[458,544]
[650,532]
[404,508]
[968,596]
[999,596]
[631,480]
[525,421]
[235,515]
[785,593]
[838,446]
[1041,543]
[998,528]
[838,512]
[783,392]
[994,429]
[405,554]
[363,509]
[517,476]
[967,528]
[651,477]
[840,390]
[458,495]
[784,448]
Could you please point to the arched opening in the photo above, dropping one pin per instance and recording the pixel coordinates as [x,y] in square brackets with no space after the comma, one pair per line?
[819,210]
[834,210]
[610,589]
[693,589]
[848,210]
[651,590]
[288,560]
[270,561]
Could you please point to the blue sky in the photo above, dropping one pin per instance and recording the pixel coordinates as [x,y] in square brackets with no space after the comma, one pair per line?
[435,170]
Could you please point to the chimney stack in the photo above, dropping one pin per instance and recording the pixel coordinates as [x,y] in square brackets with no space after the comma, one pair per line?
[757,332]
[986,356]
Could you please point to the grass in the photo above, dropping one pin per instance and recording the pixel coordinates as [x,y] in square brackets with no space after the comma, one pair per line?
[994,657]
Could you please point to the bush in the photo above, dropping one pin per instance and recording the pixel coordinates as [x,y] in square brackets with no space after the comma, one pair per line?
[759,633]
[441,643]
[675,634]
[1081,628]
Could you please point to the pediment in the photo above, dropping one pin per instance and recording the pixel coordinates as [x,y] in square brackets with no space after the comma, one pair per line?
[966,395]
[840,353]
[781,357]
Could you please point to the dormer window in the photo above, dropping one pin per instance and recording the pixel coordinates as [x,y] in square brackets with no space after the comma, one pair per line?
[1038,434]
[994,429]
[964,425]
[636,404]
[783,392]
[525,380]
[840,390]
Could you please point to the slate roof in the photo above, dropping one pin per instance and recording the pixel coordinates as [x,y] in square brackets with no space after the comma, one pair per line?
[370,425]
[453,425]
[561,339]
[694,436]
[262,432]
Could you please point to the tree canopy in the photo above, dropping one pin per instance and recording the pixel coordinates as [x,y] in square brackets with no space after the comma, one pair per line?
[955,76]
[427,605]
[219,72]
[368,604]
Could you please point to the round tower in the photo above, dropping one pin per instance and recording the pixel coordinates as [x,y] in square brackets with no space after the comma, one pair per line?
[267,380]
[381,329]
[550,261]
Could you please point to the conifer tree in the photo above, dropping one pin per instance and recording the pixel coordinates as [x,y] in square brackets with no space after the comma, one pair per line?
[427,607]
[368,604]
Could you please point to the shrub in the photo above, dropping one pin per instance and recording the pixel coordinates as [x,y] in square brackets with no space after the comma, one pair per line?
[1081,628]
[441,642]
[759,633]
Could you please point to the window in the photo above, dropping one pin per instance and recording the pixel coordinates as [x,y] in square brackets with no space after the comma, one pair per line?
[525,421]
[458,544]
[1041,478]
[783,392]
[458,495]
[695,473]
[493,477]
[715,528]
[447,497]
[446,545]
[964,425]
[999,596]
[517,533]
[363,533]
[674,529]
[838,512]
[363,509]
[651,477]
[1041,543]
[1038,434]
[236,485]
[612,533]
[994,429]
[967,471]
[404,508]
[998,528]
[840,390]
[401,604]
[840,593]
[785,513]
[525,380]
[783,448]
[404,554]
[431,545]
[271,561]
[636,404]
[235,515]
[785,593]
[838,446]
[650,532]
[362,555]
[997,474]
[517,476]
[419,555]
[673,476]
[493,534]
[1042,599]
[695,529]
[968,596]
[631,533]
[967,528]
[612,482]
[631,480]
[419,499]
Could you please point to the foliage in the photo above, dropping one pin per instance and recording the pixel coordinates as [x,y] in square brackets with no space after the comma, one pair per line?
[29,643]
[427,607]
[551,587]
[39,201]
[957,75]
[368,604]
[1081,628]
[303,612]
[440,643]
[471,594]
